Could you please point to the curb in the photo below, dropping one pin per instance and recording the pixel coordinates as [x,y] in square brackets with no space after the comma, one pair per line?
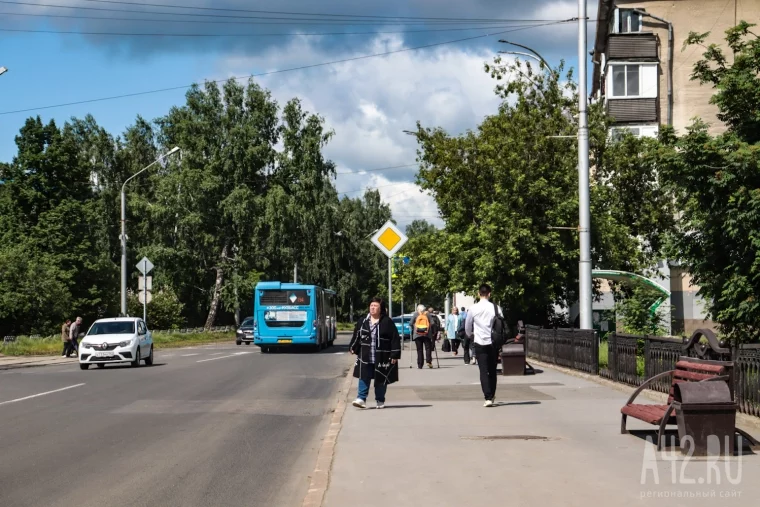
[18,366]
[320,478]
[741,419]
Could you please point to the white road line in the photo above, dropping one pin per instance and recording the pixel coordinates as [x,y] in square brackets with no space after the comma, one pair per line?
[188,355]
[40,394]
[217,353]
[224,357]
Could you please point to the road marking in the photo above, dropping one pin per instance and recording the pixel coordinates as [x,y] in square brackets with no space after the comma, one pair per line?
[217,353]
[189,355]
[224,357]
[339,353]
[40,394]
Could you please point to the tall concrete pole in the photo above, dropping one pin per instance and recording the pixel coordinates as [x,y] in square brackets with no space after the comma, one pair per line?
[584,293]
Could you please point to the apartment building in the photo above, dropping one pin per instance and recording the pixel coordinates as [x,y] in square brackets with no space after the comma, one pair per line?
[642,73]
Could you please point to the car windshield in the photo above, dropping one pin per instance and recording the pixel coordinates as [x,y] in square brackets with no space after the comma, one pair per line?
[247,322]
[124,327]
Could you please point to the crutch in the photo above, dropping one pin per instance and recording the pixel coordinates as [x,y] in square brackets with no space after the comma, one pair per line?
[435,349]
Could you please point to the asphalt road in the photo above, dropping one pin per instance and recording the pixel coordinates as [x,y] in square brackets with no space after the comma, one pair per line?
[212,426]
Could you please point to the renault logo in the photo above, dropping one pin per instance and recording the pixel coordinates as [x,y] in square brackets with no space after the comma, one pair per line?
[293,298]
[104,346]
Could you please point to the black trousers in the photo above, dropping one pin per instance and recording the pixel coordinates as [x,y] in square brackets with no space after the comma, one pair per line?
[486,356]
[455,345]
[423,341]
[466,349]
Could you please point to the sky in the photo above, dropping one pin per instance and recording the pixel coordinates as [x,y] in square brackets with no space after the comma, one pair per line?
[368,101]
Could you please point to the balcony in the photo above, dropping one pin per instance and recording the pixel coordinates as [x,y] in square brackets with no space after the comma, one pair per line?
[632,46]
[632,110]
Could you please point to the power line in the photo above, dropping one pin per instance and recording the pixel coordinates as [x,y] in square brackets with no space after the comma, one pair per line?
[281,34]
[239,16]
[328,22]
[332,15]
[302,67]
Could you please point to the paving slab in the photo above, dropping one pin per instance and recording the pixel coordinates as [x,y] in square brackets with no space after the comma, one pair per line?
[552,439]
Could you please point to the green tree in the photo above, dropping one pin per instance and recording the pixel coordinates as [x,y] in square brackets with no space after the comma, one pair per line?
[714,181]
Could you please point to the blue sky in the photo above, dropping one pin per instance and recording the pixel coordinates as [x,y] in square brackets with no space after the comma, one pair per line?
[367,102]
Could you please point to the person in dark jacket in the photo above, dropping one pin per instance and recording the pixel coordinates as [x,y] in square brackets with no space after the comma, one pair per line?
[377,345]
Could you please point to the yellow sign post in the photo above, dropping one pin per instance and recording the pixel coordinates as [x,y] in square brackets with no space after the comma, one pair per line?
[389,239]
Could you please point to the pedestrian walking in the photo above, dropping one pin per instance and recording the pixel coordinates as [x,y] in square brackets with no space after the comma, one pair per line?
[468,345]
[377,347]
[74,331]
[66,338]
[452,328]
[421,333]
[485,325]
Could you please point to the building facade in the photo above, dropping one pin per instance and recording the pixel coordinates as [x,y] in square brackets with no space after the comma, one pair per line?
[642,74]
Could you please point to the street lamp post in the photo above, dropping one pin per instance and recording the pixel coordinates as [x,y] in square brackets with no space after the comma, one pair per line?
[584,271]
[124,228]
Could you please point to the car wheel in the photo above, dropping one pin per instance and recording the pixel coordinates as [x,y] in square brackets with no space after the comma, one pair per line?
[137,360]
[149,359]
[238,342]
[247,343]
[83,366]
[101,365]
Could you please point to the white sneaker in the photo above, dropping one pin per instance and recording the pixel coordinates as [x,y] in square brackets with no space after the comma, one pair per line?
[359,403]
[380,404]
[472,361]
[488,403]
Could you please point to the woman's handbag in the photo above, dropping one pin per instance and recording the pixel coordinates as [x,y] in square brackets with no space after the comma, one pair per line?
[446,347]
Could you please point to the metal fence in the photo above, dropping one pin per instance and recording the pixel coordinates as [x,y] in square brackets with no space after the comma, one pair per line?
[631,359]
[572,348]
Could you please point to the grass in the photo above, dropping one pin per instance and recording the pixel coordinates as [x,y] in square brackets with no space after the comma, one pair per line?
[604,359]
[345,326]
[25,346]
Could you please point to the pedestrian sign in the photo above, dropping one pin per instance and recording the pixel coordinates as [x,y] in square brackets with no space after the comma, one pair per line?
[389,239]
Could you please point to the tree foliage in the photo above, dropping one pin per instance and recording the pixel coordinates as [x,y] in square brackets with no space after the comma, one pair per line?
[251,196]
[504,188]
[715,184]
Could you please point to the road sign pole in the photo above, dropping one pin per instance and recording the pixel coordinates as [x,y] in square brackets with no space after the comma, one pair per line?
[390,287]
[145,291]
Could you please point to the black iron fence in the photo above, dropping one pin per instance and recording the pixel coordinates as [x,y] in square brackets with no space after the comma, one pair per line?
[631,359]
[572,348]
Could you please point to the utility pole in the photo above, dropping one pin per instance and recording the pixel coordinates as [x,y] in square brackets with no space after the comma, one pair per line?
[584,271]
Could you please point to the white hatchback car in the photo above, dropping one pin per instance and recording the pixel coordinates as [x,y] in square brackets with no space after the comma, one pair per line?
[116,340]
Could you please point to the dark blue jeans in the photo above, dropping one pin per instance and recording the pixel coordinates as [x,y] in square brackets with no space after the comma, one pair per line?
[380,389]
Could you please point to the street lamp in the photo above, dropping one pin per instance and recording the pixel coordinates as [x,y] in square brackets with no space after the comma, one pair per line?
[541,58]
[124,228]
[3,70]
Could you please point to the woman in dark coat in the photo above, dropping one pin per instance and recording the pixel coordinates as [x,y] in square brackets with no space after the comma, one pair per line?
[377,346]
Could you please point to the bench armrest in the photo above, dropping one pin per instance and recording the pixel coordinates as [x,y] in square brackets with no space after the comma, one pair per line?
[646,384]
[720,377]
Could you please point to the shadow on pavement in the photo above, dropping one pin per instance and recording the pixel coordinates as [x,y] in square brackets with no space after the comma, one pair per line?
[671,442]
[510,403]
[124,366]
[407,406]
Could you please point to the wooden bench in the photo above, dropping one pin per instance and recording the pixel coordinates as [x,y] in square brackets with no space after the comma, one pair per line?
[687,369]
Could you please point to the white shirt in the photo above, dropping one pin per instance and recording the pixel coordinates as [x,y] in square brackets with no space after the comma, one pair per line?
[478,323]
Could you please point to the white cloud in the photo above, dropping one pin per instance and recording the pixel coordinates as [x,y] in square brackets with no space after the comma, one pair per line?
[370,102]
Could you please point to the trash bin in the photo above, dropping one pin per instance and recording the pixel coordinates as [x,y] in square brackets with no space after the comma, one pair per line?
[513,359]
[706,418]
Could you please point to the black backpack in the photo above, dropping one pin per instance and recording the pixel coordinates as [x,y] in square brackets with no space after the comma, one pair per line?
[499,329]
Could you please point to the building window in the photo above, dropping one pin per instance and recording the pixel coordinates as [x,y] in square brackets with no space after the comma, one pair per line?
[625,81]
[617,133]
[632,80]
[628,21]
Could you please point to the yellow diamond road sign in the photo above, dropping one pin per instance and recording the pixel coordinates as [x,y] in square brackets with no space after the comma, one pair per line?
[389,239]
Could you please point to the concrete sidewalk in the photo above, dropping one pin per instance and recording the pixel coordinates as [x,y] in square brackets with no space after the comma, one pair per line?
[12,362]
[552,439]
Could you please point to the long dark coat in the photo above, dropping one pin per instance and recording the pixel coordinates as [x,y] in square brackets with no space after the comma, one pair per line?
[389,347]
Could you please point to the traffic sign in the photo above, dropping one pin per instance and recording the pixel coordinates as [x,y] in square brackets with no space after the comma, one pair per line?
[389,239]
[145,298]
[142,281]
[144,266]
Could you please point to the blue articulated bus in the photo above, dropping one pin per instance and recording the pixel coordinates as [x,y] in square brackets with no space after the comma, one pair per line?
[291,314]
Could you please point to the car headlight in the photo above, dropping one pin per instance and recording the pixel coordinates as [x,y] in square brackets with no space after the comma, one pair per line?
[86,345]
[125,343]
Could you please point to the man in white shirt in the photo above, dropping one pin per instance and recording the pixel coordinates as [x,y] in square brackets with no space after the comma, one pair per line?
[478,328]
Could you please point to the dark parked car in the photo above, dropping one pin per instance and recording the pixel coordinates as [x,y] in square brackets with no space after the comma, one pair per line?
[244,333]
